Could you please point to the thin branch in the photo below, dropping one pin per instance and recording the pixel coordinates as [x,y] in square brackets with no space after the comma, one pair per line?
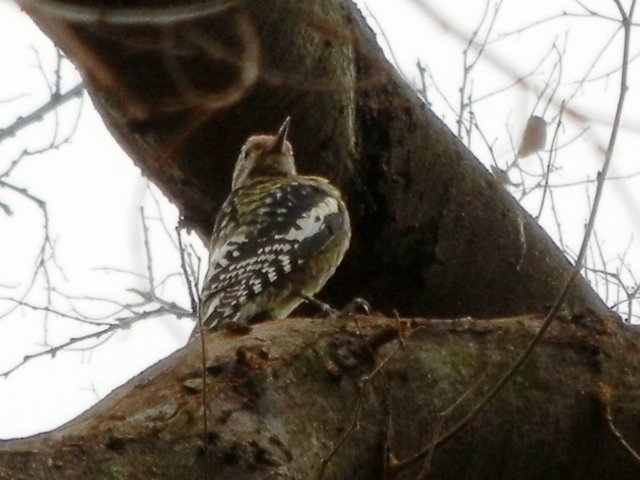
[205,402]
[187,278]
[46,247]
[552,152]
[619,436]
[122,325]
[38,114]
[147,251]
[59,313]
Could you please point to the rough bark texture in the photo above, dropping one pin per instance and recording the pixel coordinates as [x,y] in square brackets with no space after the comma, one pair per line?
[281,397]
[435,235]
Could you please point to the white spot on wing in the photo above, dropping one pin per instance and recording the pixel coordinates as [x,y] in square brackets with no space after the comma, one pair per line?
[312,221]
[220,252]
[271,273]
[286,263]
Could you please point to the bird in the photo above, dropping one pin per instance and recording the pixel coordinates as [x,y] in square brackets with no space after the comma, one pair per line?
[277,239]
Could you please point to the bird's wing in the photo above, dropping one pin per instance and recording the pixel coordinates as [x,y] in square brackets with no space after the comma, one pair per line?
[249,253]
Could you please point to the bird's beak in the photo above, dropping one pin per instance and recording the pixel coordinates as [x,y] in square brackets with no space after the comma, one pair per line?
[281,138]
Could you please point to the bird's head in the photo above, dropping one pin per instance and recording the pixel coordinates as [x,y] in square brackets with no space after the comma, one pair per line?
[265,156]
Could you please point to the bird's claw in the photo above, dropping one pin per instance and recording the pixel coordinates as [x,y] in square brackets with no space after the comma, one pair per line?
[326,309]
[354,305]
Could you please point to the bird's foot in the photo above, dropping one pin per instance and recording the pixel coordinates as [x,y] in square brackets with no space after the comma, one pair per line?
[357,305]
[326,309]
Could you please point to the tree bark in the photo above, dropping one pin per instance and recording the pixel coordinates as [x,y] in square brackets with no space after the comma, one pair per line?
[282,397]
[434,235]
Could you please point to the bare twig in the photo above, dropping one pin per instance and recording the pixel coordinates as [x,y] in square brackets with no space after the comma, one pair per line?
[602,395]
[619,435]
[187,278]
[552,153]
[122,317]
[38,114]
[46,246]
[205,402]
[465,101]
[121,324]
[147,251]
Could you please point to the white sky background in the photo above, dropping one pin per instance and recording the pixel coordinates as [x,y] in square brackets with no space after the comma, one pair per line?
[93,191]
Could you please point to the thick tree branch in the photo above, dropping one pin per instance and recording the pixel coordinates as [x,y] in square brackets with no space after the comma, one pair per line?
[281,397]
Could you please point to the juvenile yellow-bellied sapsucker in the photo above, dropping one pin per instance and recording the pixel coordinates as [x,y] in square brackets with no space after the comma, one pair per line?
[278,237]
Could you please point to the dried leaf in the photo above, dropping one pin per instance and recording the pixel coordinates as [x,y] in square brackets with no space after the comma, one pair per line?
[534,138]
